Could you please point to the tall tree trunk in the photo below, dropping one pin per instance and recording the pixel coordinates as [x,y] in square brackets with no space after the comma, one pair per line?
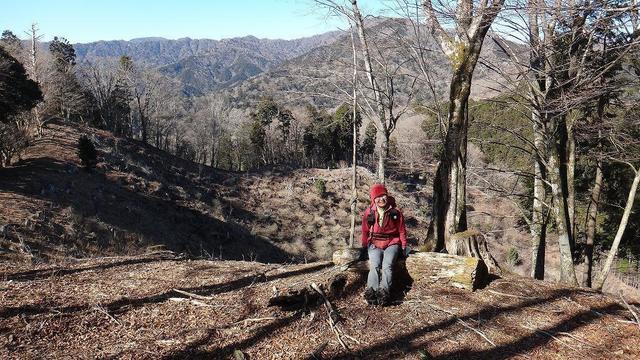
[145,127]
[539,219]
[567,152]
[354,191]
[382,140]
[592,214]
[567,270]
[34,69]
[215,154]
[449,208]
[382,149]
[472,25]
[571,171]
[600,279]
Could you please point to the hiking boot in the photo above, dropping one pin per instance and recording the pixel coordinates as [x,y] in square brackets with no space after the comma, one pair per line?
[371,296]
[383,297]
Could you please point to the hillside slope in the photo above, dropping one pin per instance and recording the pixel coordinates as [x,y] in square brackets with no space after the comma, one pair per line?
[140,197]
[175,308]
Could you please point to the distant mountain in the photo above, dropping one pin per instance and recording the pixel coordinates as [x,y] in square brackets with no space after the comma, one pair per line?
[323,74]
[299,71]
[204,65]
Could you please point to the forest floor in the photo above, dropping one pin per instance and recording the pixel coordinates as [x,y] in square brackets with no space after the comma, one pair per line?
[163,306]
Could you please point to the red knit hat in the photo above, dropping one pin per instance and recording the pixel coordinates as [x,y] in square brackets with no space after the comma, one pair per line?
[377,190]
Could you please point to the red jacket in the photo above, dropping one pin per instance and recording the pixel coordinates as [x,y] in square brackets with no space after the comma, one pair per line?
[392,231]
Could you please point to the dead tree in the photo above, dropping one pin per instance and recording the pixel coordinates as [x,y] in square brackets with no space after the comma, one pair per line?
[34,71]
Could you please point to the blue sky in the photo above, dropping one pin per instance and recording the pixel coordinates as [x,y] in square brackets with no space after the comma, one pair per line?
[91,20]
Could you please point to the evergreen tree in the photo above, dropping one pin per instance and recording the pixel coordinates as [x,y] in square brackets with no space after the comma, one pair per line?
[8,37]
[17,91]
[64,54]
[369,142]
[343,131]
[66,97]
[11,44]
[87,152]
[257,136]
[318,138]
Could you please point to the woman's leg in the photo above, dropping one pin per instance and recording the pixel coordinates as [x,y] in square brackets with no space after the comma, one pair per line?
[389,258]
[375,263]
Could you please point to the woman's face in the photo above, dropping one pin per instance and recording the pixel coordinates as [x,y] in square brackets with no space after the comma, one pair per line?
[381,201]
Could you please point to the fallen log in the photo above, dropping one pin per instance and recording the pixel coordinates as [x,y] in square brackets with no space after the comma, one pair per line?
[464,272]
[458,271]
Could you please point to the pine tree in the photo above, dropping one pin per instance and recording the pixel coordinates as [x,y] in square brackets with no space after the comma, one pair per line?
[17,91]
[63,53]
[87,152]
[67,97]
[11,44]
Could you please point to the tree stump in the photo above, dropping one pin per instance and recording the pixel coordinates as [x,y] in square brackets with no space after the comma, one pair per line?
[462,272]
[472,243]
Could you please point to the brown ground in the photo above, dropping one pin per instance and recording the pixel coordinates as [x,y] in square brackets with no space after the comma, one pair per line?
[125,308]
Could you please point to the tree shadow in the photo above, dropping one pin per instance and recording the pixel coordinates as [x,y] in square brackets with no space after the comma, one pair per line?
[534,340]
[125,304]
[151,219]
[57,272]
[381,349]
[192,352]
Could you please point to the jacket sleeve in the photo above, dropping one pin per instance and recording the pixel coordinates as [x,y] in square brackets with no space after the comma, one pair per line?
[402,230]
[364,239]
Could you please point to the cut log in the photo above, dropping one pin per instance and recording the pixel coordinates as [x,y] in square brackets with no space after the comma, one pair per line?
[462,272]
[472,243]
[346,256]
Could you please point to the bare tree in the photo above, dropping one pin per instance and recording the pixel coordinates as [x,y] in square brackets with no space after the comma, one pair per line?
[380,98]
[210,113]
[146,90]
[570,53]
[602,276]
[354,190]
[472,22]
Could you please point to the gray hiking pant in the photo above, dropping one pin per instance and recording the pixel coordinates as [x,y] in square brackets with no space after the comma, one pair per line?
[381,260]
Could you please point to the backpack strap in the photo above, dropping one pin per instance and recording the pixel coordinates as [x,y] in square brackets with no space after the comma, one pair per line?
[371,218]
[394,214]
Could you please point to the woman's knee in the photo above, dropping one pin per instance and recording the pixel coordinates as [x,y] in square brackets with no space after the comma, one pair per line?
[387,266]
